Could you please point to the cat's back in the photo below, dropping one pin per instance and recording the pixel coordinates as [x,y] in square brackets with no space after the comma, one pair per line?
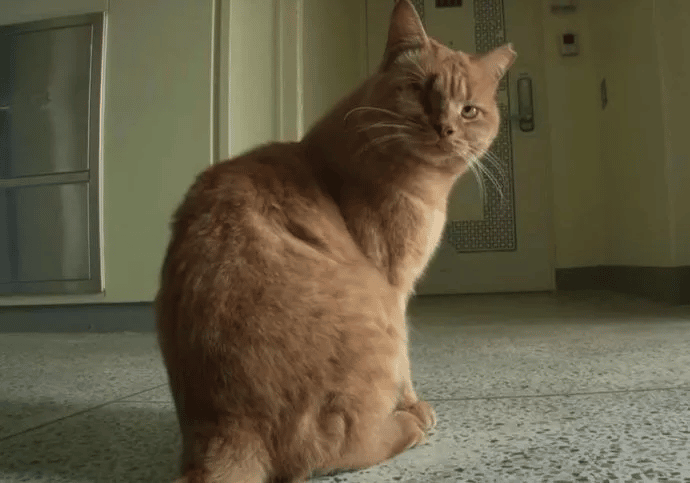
[256,195]
[256,183]
[256,223]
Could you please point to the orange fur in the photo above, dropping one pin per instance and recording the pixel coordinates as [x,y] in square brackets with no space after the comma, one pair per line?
[281,308]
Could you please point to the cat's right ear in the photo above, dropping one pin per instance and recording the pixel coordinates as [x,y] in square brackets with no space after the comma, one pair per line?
[406,31]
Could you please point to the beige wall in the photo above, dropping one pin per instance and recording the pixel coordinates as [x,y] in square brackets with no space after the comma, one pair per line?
[291,61]
[282,80]
[672,22]
[253,96]
[334,55]
[157,132]
[633,153]
[618,172]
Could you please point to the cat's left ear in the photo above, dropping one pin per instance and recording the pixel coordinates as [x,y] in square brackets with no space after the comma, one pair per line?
[406,30]
[499,60]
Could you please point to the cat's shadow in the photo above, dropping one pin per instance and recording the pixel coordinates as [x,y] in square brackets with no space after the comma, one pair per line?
[322,476]
[113,443]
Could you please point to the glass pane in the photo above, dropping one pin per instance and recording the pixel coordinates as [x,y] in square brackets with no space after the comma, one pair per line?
[46,233]
[44,101]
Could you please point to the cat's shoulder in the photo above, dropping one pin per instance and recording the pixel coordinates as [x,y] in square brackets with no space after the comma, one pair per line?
[275,173]
[265,164]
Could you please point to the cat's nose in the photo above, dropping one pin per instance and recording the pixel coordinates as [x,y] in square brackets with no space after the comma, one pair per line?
[443,130]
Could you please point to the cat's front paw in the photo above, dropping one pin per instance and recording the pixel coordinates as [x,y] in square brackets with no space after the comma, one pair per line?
[425,413]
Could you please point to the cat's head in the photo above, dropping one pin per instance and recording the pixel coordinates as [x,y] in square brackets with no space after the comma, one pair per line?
[442,101]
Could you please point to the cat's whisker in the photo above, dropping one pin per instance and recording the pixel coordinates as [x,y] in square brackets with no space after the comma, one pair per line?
[373,109]
[480,180]
[384,125]
[496,163]
[489,175]
[381,140]
[387,138]
[498,184]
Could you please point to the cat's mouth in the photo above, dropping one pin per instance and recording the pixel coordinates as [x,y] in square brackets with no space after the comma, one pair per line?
[443,146]
[447,146]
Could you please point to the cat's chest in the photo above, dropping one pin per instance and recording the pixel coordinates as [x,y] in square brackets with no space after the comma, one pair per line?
[429,237]
[422,240]
[401,237]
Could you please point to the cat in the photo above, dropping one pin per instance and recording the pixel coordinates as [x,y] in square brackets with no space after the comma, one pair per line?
[281,309]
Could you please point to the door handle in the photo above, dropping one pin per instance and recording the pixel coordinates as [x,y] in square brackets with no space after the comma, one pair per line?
[525,103]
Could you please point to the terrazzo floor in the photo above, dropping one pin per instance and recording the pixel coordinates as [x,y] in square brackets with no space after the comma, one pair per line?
[587,387]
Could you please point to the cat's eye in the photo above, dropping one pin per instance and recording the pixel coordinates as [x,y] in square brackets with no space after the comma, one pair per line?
[469,112]
[416,86]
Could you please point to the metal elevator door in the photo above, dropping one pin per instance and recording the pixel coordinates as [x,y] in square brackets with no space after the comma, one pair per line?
[50,96]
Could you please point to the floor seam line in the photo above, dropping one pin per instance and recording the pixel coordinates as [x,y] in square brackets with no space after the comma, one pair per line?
[535,396]
[77,413]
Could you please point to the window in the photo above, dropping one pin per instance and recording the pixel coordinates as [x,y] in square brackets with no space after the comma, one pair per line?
[50,144]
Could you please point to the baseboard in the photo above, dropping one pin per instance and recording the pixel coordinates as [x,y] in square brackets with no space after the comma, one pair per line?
[664,284]
[126,317]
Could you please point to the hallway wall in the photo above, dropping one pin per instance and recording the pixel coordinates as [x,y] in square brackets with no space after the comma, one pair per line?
[633,155]
[672,21]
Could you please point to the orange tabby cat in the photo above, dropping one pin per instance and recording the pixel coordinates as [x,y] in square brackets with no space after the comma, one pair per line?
[281,312]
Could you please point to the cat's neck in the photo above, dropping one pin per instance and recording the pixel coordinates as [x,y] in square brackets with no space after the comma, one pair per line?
[393,204]
[337,149]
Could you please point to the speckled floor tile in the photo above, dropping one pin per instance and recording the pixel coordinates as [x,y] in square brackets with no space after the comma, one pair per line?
[474,346]
[44,377]
[600,438]
[622,437]
[528,388]
[119,442]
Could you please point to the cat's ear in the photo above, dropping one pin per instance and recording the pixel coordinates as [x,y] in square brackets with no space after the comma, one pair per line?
[499,60]
[406,30]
